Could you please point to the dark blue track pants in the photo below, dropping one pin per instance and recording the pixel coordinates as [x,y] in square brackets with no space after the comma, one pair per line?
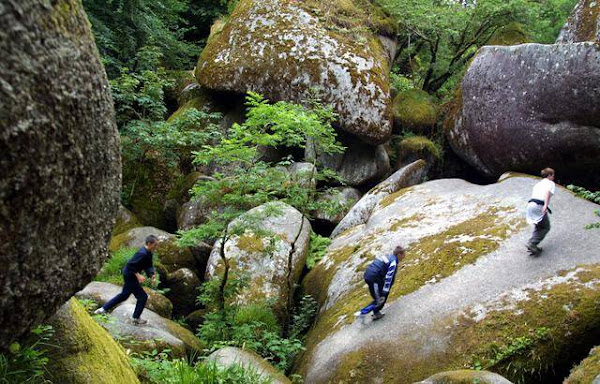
[131,286]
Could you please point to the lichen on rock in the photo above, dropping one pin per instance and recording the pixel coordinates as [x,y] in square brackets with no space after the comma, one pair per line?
[284,49]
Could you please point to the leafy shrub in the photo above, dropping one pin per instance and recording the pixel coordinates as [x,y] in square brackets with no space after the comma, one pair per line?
[304,316]
[317,249]
[156,368]
[111,271]
[588,195]
[26,362]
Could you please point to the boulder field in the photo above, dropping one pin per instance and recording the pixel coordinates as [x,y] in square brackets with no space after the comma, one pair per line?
[466,295]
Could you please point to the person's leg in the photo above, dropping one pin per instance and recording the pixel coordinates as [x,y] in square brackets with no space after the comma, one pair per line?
[121,297]
[373,291]
[380,304]
[540,231]
[141,297]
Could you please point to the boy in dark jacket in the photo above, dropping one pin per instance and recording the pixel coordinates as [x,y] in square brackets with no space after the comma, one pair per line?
[141,261]
[380,276]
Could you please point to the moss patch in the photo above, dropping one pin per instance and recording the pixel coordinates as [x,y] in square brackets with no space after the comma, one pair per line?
[415,109]
[251,243]
[392,197]
[84,352]
[419,145]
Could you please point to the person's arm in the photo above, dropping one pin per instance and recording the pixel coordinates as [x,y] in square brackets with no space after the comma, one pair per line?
[140,278]
[547,201]
[389,276]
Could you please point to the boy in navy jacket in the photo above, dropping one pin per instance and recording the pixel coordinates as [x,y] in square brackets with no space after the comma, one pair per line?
[380,276]
[132,277]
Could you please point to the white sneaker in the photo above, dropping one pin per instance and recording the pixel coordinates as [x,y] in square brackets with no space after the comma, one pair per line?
[99,311]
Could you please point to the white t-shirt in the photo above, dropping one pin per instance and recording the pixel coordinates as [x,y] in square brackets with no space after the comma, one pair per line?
[541,189]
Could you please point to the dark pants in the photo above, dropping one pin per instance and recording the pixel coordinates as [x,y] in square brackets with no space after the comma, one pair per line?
[375,283]
[131,286]
[540,231]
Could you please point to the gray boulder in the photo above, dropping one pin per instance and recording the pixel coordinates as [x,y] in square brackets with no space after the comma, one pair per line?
[273,259]
[230,356]
[101,292]
[193,213]
[284,50]
[183,289]
[159,333]
[530,106]
[360,213]
[583,24]
[304,174]
[466,276]
[60,160]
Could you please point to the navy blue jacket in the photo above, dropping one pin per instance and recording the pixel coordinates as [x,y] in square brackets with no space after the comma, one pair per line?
[383,269]
[141,261]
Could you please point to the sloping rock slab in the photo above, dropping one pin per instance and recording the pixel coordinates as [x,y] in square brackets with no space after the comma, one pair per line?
[229,356]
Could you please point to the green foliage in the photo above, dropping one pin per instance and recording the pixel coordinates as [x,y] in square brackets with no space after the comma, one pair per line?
[588,195]
[253,327]
[317,249]
[123,27]
[438,38]
[253,182]
[26,362]
[304,316]
[157,368]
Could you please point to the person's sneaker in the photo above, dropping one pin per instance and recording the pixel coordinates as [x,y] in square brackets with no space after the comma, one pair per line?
[138,321]
[534,249]
[100,311]
[359,314]
[378,315]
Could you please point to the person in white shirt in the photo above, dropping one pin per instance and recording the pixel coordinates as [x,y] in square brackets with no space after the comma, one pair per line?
[538,209]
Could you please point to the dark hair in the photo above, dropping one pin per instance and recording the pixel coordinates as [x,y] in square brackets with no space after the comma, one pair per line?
[399,250]
[547,172]
[151,239]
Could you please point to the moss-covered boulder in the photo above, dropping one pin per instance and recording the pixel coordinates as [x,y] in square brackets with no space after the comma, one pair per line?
[230,356]
[136,238]
[60,160]
[180,81]
[182,287]
[465,376]
[361,211]
[125,221]
[268,246]
[466,295]
[413,148]
[284,49]
[101,292]
[81,352]
[529,106]
[414,110]
[588,371]
[159,333]
[583,24]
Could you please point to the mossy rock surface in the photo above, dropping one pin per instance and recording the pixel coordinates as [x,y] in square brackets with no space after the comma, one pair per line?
[452,304]
[285,48]
[414,110]
[465,376]
[272,260]
[125,221]
[588,371]
[136,238]
[583,23]
[83,352]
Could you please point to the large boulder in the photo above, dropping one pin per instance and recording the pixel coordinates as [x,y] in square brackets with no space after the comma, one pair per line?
[346,197]
[466,295]
[583,24]
[81,352]
[360,213]
[101,292]
[229,356]
[125,221]
[285,49]
[269,246]
[60,180]
[159,333]
[530,106]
